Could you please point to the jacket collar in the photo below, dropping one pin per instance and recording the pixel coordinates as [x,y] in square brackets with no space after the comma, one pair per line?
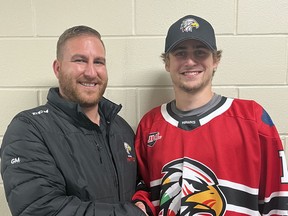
[107,108]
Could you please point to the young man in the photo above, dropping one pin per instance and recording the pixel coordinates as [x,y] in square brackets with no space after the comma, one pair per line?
[74,155]
[202,153]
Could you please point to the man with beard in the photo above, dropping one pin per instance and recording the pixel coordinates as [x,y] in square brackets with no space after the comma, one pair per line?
[75,154]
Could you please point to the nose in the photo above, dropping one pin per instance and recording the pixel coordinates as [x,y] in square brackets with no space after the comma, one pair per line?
[191,60]
[90,70]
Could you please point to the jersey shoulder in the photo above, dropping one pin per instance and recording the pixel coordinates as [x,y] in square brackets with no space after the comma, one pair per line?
[152,116]
[251,110]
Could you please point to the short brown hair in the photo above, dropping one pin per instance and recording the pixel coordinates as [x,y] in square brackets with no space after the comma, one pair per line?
[75,31]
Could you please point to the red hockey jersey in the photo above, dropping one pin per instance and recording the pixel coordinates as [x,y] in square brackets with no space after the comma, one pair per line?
[227,161]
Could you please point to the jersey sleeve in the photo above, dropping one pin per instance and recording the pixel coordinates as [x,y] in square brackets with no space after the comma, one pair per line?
[273,189]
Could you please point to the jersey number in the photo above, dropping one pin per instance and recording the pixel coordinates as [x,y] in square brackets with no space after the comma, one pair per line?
[284,178]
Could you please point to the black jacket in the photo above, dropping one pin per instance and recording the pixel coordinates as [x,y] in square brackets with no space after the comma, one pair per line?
[55,161]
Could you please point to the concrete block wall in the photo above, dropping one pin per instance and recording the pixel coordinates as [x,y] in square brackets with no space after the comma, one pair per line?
[252,34]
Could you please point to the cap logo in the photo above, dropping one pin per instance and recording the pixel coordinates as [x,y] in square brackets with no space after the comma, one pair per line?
[187,25]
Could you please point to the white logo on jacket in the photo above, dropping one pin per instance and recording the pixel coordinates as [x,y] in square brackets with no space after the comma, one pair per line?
[15,160]
[128,149]
[40,112]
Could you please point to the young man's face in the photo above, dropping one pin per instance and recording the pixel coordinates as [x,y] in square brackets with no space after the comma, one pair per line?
[191,66]
[81,70]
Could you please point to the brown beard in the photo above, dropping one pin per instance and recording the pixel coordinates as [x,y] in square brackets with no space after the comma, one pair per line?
[71,93]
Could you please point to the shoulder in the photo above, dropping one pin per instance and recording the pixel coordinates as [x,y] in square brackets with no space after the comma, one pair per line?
[246,108]
[246,103]
[252,111]
[33,122]
[151,117]
[121,125]
[24,121]
[28,116]
[153,114]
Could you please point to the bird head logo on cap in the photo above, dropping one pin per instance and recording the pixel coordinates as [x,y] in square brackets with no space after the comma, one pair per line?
[190,27]
[187,25]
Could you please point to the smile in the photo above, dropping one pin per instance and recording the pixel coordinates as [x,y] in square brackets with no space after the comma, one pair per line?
[191,73]
[88,84]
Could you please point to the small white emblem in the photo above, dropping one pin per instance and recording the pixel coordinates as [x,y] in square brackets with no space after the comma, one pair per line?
[40,112]
[15,160]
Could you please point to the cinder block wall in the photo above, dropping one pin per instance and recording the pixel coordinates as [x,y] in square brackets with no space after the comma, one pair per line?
[252,34]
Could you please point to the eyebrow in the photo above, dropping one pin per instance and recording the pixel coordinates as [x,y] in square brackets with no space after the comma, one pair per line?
[101,59]
[78,56]
[84,57]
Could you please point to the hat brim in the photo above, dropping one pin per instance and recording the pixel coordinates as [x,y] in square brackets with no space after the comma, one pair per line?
[190,38]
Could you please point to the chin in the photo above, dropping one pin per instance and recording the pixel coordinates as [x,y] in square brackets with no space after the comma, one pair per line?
[88,104]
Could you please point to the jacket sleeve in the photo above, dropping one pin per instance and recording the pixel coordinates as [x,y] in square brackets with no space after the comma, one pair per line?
[35,186]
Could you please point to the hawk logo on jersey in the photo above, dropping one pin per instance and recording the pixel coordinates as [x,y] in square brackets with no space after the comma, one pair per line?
[192,186]
[187,25]
[152,138]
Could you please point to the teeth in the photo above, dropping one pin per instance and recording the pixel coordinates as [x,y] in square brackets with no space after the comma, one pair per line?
[192,73]
[88,84]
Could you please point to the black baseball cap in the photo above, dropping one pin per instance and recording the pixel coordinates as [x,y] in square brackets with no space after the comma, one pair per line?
[190,27]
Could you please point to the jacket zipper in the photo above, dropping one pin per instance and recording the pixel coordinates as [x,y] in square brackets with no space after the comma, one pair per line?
[112,160]
[99,152]
[106,145]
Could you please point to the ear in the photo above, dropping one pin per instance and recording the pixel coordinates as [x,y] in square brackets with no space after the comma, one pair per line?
[215,64]
[56,68]
[216,60]
[167,65]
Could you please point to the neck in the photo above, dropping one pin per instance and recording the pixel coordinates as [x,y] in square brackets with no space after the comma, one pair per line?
[186,101]
[92,113]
